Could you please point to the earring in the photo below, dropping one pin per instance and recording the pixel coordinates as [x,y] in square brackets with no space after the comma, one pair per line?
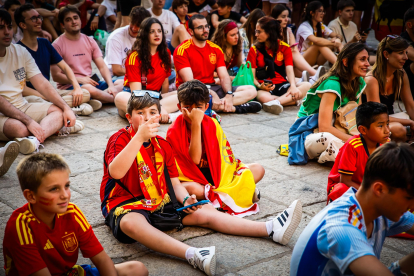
[387,58]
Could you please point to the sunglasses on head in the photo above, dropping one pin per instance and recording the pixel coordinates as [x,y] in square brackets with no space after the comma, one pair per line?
[392,36]
[141,93]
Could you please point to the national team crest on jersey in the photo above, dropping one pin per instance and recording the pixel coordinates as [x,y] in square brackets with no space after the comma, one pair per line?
[213,58]
[279,56]
[355,216]
[70,243]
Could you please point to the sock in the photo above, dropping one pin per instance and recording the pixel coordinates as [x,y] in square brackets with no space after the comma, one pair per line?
[269,227]
[190,253]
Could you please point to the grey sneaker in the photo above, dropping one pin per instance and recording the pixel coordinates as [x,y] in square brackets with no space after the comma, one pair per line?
[8,154]
[285,224]
[205,259]
[83,109]
[96,105]
[273,107]
[28,144]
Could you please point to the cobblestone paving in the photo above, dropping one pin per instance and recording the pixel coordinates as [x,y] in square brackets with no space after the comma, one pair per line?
[254,138]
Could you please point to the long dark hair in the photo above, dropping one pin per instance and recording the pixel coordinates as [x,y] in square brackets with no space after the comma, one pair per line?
[306,16]
[348,86]
[271,27]
[276,11]
[250,24]
[142,46]
[220,37]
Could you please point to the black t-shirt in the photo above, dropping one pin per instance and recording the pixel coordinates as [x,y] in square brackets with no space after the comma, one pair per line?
[193,8]
[233,16]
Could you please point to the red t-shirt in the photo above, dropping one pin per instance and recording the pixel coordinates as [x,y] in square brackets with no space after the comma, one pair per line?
[155,78]
[202,61]
[351,160]
[82,8]
[29,245]
[111,194]
[283,58]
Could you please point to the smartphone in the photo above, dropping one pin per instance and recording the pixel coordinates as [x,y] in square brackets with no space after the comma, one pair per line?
[293,45]
[367,31]
[202,202]
[268,82]
[95,77]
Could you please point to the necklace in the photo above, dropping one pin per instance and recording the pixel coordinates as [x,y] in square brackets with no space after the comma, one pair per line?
[388,78]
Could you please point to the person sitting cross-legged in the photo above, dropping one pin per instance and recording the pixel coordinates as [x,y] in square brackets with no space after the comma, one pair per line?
[144,164]
[198,58]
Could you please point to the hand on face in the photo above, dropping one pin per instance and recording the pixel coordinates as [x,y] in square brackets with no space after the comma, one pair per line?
[195,116]
[148,129]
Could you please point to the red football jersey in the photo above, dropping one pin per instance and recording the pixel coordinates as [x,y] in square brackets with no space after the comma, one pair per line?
[155,78]
[283,58]
[111,194]
[29,245]
[202,61]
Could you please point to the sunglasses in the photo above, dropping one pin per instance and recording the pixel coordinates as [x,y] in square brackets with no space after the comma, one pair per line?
[141,93]
[392,36]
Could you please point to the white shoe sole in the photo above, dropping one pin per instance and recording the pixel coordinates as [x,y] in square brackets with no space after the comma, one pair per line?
[274,109]
[294,222]
[11,150]
[26,145]
[96,105]
[211,266]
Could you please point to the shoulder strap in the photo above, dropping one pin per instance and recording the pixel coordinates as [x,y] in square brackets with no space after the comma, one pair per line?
[342,30]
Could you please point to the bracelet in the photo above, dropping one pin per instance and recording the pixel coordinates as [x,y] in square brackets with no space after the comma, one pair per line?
[185,199]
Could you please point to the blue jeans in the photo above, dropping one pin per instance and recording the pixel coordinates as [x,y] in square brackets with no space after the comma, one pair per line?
[102,85]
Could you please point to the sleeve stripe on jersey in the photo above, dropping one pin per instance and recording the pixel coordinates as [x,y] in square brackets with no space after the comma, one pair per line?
[132,58]
[357,145]
[81,224]
[214,45]
[81,215]
[355,141]
[345,172]
[18,229]
[79,219]
[183,47]
[22,225]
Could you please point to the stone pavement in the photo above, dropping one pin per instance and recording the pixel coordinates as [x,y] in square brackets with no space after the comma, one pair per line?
[254,138]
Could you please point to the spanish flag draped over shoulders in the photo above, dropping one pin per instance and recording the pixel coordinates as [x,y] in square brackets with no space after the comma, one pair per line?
[233,180]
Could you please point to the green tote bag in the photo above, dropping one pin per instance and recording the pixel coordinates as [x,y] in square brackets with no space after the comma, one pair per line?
[244,76]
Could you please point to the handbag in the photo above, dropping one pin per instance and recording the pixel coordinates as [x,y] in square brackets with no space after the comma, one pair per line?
[345,120]
[161,220]
[244,76]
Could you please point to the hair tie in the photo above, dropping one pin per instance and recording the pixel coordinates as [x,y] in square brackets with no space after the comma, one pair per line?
[230,27]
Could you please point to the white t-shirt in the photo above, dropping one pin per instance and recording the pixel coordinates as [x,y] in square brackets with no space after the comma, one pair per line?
[17,36]
[305,30]
[16,67]
[117,46]
[169,22]
[110,10]
[349,31]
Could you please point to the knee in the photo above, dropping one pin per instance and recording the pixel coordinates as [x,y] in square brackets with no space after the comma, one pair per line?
[251,91]
[136,268]
[90,88]
[54,108]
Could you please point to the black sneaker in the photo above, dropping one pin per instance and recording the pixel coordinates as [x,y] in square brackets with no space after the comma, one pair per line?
[250,107]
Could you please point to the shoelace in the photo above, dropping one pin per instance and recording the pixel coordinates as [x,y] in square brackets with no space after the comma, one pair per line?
[64,131]
[38,144]
[197,262]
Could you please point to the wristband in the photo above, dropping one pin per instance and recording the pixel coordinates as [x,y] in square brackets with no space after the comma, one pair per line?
[185,199]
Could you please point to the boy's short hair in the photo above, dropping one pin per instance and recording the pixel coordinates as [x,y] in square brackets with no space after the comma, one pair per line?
[9,3]
[193,92]
[176,3]
[136,103]
[392,164]
[368,112]
[32,169]
[138,14]
[18,14]
[65,11]
[194,17]
[224,3]
[409,14]
[5,17]
[345,3]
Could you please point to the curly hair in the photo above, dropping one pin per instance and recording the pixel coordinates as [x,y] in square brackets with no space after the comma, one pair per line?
[142,47]
[307,16]
[348,86]
[220,38]
[271,27]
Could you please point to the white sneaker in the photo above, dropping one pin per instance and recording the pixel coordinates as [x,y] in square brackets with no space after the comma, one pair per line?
[205,259]
[305,76]
[285,224]
[273,107]
[319,73]
[83,109]
[173,116]
[79,126]
[256,196]
[8,154]
[28,144]
[96,105]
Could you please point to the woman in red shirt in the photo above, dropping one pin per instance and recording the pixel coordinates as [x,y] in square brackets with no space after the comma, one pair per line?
[227,37]
[272,67]
[148,66]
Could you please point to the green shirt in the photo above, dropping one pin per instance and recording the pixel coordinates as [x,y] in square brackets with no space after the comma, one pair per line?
[312,101]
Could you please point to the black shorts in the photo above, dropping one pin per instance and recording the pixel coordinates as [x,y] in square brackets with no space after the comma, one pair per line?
[219,90]
[280,89]
[115,222]
[125,6]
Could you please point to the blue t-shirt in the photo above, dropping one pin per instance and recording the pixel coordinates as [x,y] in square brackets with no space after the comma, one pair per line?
[45,56]
[337,236]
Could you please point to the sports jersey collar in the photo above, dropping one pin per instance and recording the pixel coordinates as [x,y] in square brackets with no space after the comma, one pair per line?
[32,214]
[365,144]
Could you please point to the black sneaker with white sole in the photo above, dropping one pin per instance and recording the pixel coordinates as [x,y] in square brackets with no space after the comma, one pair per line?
[250,107]
[205,259]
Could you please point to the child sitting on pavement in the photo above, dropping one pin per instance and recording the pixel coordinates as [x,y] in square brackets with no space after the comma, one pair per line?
[44,236]
[136,157]
[373,124]
[205,159]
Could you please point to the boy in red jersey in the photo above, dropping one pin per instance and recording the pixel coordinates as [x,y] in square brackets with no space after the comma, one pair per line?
[373,124]
[44,236]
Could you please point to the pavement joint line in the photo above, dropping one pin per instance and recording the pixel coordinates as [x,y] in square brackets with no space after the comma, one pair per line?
[274,257]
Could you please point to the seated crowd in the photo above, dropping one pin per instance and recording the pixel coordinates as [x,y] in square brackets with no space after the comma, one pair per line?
[181,63]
